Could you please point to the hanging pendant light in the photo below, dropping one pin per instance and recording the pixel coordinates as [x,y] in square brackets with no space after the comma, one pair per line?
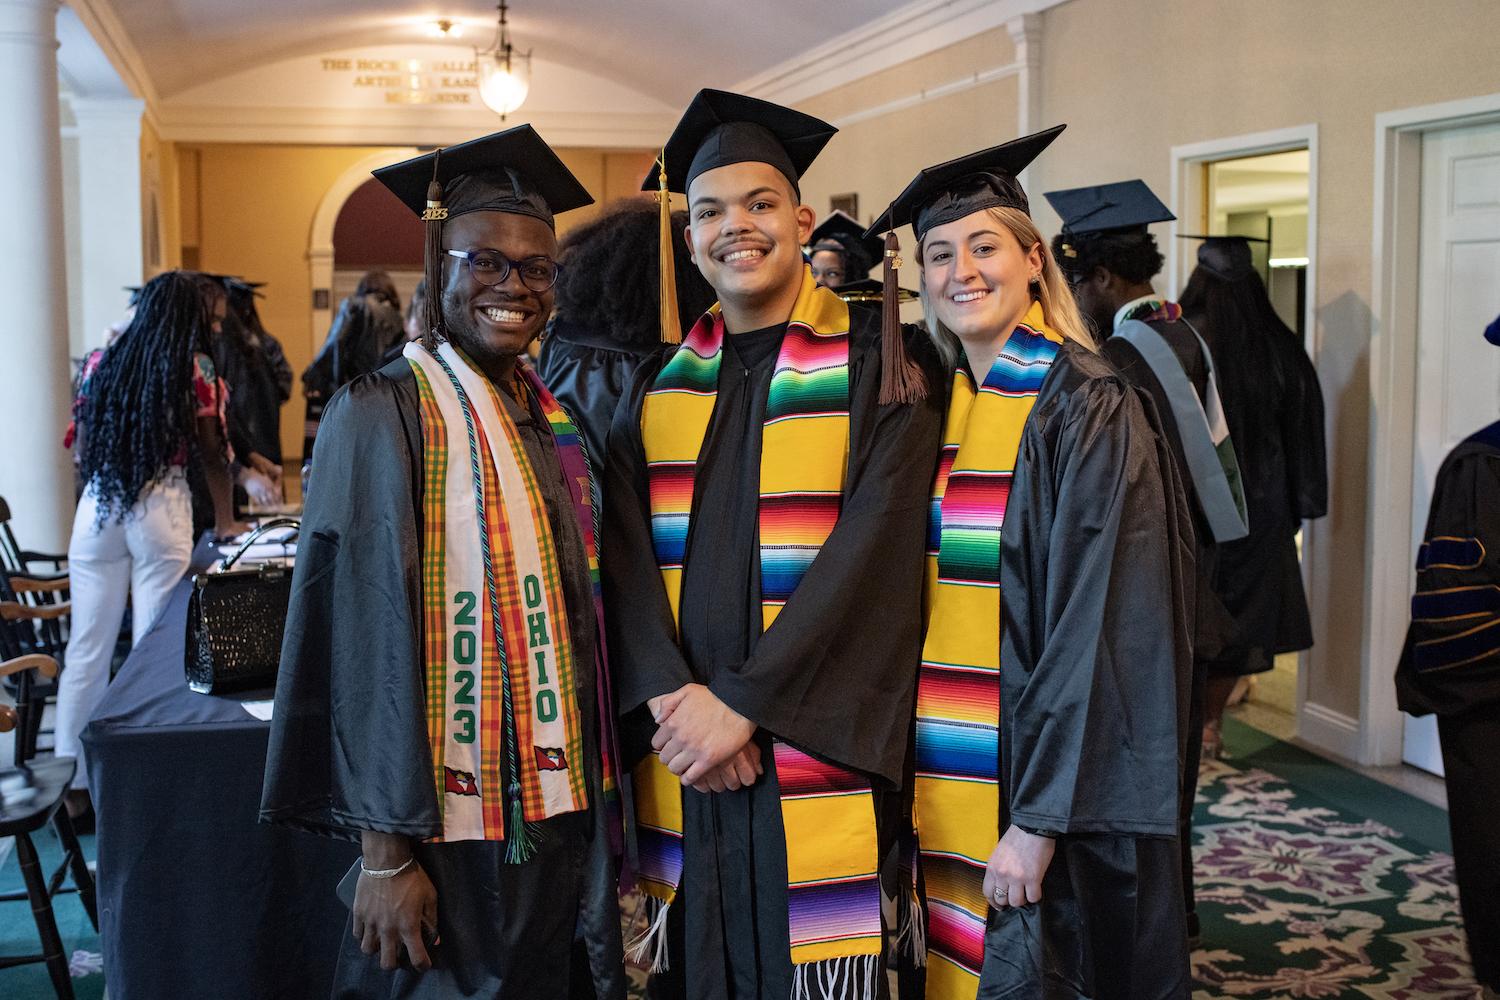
[504,74]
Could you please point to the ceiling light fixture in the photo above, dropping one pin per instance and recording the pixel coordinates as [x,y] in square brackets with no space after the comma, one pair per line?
[445,27]
[504,74]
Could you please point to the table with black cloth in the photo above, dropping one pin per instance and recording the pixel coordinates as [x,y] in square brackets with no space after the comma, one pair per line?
[196,898]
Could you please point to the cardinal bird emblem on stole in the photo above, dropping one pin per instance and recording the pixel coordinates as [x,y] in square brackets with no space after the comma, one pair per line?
[459,782]
[550,759]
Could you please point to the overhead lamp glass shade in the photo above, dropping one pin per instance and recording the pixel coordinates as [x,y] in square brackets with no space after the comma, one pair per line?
[504,88]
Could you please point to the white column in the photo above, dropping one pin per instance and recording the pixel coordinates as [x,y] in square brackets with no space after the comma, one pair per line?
[35,474]
[1026,36]
[109,208]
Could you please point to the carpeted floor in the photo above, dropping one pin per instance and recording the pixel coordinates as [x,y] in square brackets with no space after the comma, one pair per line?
[1313,883]
[18,930]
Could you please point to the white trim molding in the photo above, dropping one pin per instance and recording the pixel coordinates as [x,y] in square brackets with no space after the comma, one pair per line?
[1394,259]
[899,37]
[1330,731]
[99,18]
[976,79]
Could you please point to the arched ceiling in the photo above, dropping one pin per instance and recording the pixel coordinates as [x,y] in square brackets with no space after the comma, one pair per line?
[666,49]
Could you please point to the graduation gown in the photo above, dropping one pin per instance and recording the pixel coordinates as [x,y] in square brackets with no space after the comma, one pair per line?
[349,749]
[1096,582]
[260,381]
[1459,680]
[1274,407]
[835,677]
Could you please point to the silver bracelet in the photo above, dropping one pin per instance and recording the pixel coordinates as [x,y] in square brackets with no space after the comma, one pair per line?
[385,872]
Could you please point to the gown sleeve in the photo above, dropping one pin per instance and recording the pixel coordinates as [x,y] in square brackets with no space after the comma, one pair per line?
[835,675]
[1094,645]
[1303,437]
[644,656]
[349,749]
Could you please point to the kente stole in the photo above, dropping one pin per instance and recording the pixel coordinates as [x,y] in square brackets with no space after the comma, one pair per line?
[957,809]
[502,717]
[833,895]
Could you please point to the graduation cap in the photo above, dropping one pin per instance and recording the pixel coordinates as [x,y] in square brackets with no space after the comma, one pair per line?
[1227,257]
[513,171]
[938,195]
[949,191]
[843,234]
[1492,332]
[871,290]
[719,128]
[1125,206]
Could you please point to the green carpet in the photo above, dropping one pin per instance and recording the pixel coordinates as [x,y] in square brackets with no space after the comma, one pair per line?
[18,930]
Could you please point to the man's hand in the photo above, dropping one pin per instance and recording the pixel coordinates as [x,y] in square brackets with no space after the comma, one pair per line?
[740,771]
[1013,876]
[392,913]
[698,733]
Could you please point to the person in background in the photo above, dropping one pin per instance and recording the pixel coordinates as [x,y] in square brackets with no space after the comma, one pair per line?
[1047,773]
[607,320]
[1273,405]
[1450,667]
[367,327]
[839,252]
[149,413]
[1111,259]
[253,365]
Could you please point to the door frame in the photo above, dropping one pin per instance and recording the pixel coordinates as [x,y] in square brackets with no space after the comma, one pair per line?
[1316,723]
[1395,245]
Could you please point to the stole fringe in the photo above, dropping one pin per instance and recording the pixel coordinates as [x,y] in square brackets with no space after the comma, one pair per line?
[853,977]
[650,945]
[911,927]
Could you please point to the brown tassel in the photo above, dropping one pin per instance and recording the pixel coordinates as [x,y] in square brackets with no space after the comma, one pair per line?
[671,326]
[432,260]
[901,379]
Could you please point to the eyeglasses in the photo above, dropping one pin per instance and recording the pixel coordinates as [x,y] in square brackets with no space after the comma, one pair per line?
[490,267]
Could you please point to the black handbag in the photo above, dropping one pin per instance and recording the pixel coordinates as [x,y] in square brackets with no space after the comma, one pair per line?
[235,621]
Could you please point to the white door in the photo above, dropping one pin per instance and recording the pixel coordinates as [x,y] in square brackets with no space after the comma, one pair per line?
[1458,373]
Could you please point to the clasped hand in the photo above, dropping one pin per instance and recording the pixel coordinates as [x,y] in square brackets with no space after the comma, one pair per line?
[703,741]
[1014,874]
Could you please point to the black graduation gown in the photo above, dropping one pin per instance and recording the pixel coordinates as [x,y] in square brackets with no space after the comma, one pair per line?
[1274,407]
[1465,696]
[364,332]
[254,367]
[1096,580]
[835,676]
[588,371]
[349,749]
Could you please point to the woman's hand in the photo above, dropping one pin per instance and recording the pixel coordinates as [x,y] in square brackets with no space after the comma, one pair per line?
[1013,876]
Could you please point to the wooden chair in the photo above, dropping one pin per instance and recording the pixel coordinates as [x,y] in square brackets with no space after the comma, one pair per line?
[19,560]
[48,780]
[27,630]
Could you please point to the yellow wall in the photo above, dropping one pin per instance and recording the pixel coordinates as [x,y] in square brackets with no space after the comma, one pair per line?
[159,182]
[248,209]
[1132,79]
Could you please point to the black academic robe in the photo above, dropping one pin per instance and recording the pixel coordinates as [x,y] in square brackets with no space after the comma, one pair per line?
[588,371]
[1096,583]
[835,676]
[1463,686]
[349,749]
[1274,407]
[254,367]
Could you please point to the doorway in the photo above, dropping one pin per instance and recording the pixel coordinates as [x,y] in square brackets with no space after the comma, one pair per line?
[1458,293]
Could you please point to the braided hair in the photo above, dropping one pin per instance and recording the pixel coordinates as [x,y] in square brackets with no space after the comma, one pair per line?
[138,406]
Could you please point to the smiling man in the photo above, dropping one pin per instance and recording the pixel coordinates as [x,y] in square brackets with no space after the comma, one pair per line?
[443,696]
[763,564]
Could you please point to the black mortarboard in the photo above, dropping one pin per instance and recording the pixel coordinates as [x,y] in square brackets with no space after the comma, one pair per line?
[871,290]
[1124,205]
[1226,256]
[949,191]
[842,232]
[1492,332]
[513,171]
[719,128]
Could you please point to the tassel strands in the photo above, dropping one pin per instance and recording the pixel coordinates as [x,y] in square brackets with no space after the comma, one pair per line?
[648,949]
[432,260]
[853,977]
[901,380]
[671,325]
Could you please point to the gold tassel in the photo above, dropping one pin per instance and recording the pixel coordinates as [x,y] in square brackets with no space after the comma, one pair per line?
[432,261]
[901,379]
[671,326]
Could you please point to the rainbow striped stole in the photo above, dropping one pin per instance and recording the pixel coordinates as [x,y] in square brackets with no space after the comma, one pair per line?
[833,894]
[957,807]
[502,716]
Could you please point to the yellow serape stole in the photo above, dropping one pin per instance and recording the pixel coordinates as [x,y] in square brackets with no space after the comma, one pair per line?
[957,810]
[502,716]
[828,817]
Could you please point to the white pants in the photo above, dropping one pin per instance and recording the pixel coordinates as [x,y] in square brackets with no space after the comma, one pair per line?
[141,556]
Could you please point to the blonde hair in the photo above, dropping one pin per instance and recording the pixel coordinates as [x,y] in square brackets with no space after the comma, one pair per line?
[1059,310]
